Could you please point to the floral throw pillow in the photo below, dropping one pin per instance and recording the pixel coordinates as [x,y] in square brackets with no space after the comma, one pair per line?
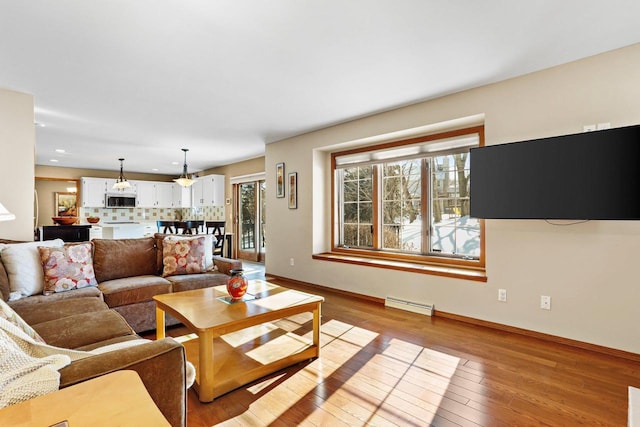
[184,256]
[66,268]
[11,316]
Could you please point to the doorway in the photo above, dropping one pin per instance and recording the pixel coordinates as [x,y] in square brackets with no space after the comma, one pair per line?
[47,200]
[251,219]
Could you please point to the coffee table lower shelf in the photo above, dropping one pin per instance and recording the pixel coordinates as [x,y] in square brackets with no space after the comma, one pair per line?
[233,344]
[233,367]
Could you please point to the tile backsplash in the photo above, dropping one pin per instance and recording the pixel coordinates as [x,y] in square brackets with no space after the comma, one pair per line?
[207,213]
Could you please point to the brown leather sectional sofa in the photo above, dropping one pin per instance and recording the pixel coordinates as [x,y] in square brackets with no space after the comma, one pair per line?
[128,272]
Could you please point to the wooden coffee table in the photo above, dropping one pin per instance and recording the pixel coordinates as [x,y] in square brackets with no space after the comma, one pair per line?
[239,342]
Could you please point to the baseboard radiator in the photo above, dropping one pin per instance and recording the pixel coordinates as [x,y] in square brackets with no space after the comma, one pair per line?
[415,307]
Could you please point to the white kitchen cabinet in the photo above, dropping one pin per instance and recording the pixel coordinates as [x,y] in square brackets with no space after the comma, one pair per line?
[164,194]
[146,196]
[176,196]
[197,199]
[218,190]
[181,196]
[149,194]
[152,194]
[92,191]
[208,191]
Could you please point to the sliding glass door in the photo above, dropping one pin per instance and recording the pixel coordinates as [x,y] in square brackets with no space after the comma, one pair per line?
[251,220]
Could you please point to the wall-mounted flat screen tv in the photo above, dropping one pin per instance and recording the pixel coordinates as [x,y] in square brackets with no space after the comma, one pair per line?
[590,175]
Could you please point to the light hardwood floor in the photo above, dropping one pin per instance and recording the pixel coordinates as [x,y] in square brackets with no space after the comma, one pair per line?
[389,367]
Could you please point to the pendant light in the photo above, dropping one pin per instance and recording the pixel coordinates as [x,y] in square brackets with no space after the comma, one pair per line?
[121,182]
[185,179]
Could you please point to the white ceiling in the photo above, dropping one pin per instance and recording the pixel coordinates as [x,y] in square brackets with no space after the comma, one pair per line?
[141,79]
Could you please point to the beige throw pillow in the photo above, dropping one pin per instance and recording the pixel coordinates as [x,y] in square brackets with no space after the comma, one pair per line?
[22,262]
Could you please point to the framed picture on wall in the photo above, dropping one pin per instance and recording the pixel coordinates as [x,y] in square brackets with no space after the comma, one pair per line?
[293,190]
[280,180]
[66,204]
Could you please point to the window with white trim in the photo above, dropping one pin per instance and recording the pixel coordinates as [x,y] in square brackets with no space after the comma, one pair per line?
[409,200]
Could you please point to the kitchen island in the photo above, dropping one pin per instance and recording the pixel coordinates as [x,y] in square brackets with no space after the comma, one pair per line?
[123,230]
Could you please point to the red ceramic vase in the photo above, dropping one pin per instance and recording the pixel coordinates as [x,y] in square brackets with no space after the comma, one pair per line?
[237,284]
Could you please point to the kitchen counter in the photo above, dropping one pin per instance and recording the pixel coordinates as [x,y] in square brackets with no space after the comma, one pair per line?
[123,230]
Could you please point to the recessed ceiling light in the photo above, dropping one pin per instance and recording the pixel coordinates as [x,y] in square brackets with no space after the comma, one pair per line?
[175,163]
[155,169]
[54,160]
[60,150]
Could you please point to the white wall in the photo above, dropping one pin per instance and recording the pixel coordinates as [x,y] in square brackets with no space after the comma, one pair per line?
[587,269]
[17,145]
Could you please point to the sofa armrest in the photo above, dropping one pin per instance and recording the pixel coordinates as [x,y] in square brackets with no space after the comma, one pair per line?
[160,364]
[225,265]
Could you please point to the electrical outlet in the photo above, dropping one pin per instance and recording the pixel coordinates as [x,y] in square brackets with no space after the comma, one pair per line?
[589,128]
[545,302]
[291,262]
[502,295]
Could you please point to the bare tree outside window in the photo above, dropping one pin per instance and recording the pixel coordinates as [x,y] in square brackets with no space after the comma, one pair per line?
[357,207]
[453,231]
[401,205]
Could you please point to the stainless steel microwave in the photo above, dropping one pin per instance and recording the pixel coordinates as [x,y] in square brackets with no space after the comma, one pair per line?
[120,201]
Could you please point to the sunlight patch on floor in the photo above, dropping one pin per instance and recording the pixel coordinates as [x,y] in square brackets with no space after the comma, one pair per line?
[243,336]
[279,348]
[399,383]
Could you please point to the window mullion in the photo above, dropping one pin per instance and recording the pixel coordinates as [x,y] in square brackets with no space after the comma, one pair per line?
[339,208]
[425,206]
[377,207]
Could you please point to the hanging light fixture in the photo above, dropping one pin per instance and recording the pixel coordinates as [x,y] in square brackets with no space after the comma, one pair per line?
[121,182]
[185,179]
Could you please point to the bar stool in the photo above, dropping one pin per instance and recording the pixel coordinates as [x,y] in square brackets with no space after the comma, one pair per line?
[217,228]
[198,226]
[187,227]
[166,226]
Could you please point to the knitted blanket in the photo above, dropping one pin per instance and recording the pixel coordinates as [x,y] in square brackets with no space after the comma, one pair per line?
[28,368]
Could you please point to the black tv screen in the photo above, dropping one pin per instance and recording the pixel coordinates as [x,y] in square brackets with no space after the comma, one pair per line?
[591,175]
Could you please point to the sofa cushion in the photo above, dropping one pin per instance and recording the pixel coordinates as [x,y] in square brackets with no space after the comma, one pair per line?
[84,329]
[197,281]
[132,290]
[67,268]
[118,258]
[10,315]
[22,262]
[183,256]
[56,309]
[36,300]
